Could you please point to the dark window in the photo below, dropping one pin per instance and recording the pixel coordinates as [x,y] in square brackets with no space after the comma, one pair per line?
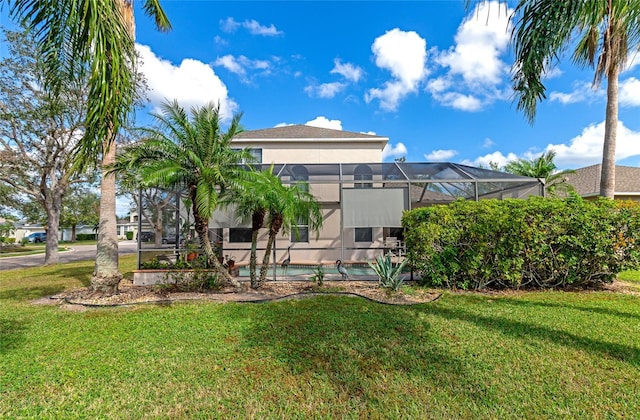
[256,153]
[302,236]
[300,175]
[240,235]
[364,234]
[363,173]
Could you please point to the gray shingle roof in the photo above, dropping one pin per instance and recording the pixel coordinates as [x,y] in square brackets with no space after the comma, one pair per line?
[300,132]
[587,180]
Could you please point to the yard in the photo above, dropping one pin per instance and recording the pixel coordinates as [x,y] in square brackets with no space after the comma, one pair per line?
[466,355]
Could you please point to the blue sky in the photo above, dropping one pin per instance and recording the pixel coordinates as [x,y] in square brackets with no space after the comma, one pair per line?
[430,75]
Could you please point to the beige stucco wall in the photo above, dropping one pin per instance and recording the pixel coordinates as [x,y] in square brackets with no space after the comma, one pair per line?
[312,151]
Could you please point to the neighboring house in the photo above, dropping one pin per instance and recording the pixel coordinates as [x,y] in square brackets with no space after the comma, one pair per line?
[586,182]
[362,198]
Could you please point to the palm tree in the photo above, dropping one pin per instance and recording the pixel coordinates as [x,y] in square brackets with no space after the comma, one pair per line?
[94,37]
[191,153]
[542,167]
[250,200]
[603,32]
[287,207]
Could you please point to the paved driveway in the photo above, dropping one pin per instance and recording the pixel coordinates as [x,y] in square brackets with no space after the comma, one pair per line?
[77,253]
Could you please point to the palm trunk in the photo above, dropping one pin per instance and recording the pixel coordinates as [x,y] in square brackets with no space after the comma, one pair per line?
[257,221]
[608,176]
[106,276]
[202,229]
[276,224]
[253,260]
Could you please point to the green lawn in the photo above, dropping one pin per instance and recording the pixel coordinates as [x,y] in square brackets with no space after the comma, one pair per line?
[535,355]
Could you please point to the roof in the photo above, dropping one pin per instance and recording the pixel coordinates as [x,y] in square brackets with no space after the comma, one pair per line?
[306,132]
[586,180]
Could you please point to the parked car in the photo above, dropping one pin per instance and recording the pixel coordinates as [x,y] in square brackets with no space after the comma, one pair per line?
[36,237]
[145,236]
[171,239]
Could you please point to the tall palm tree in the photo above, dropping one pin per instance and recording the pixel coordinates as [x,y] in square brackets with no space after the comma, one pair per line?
[602,34]
[287,207]
[542,167]
[189,152]
[94,37]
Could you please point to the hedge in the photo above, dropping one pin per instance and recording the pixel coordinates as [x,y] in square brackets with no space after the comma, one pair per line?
[86,236]
[533,243]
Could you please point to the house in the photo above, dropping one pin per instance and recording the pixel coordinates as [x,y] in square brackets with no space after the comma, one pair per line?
[586,182]
[361,197]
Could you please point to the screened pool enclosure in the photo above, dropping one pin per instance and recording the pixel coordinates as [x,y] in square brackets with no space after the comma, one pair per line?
[362,206]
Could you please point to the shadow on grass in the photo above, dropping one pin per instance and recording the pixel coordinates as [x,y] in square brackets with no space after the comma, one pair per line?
[11,334]
[524,330]
[31,293]
[588,309]
[353,343]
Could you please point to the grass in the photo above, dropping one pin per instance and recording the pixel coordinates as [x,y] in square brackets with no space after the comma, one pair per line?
[531,355]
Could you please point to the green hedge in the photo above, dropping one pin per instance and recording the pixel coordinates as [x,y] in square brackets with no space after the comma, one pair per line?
[534,243]
[86,237]
[129,235]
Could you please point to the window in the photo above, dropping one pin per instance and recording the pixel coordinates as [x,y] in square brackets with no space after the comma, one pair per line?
[300,174]
[240,234]
[255,153]
[363,234]
[363,173]
[301,234]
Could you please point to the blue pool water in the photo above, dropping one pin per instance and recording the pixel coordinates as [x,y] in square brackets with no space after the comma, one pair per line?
[300,270]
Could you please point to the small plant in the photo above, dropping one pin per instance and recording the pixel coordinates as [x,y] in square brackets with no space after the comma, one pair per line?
[154,263]
[318,275]
[388,273]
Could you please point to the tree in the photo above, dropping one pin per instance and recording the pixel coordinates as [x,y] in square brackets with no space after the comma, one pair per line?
[602,35]
[190,153]
[80,206]
[251,200]
[94,38]
[288,206]
[38,134]
[542,167]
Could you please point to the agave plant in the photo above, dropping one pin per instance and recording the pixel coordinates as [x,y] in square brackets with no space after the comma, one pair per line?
[388,273]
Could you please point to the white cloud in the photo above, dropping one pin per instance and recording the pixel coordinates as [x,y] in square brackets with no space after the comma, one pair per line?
[582,92]
[347,70]
[390,150]
[241,64]
[583,150]
[192,83]
[495,157]
[404,55]
[480,41]
[325,90]
[488,143]
[229,24]
[476,73]
[324,122]
[586,148]
[629,92]
[440,155]
[253,26]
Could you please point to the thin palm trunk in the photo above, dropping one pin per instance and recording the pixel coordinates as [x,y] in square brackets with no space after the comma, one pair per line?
[276,224]
[608,177]
[201,225]
[253,260]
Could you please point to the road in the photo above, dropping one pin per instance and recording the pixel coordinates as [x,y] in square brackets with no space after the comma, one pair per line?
[77,253]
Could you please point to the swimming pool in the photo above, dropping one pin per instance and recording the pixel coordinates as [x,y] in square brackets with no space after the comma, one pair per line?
[308,270]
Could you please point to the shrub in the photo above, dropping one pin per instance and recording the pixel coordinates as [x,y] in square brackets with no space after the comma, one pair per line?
[318,275]
[388,272]
[86,237]
[129,235]
[533,243]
